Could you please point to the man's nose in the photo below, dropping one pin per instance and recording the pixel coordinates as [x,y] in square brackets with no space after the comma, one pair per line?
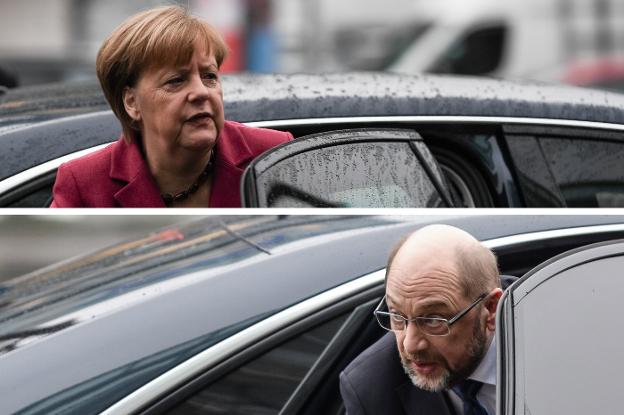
[414,339]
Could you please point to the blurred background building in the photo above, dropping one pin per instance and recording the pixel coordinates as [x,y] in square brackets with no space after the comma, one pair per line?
[30,242]
[573,41]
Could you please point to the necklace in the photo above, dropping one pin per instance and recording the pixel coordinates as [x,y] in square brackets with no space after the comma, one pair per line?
[170,199]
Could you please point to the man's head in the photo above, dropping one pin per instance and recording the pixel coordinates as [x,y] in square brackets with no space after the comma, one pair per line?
[438,271]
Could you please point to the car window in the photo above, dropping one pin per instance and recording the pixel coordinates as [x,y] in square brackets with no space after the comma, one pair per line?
[568,167]
[589,173]
[351,168]
[353,175]
[34,193]
[479,52]
[565,348]
[264,384]
[534,176]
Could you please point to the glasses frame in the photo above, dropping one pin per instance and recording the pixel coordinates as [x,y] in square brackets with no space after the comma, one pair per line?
[448,322]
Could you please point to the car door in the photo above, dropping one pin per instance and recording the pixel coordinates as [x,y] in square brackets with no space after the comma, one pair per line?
[559,335]
[379,167]
[290,367]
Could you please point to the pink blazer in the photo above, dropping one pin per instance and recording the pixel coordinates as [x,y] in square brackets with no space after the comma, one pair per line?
[118,175]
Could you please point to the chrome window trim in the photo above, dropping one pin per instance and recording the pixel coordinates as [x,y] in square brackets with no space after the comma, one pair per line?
[44,168]
[551,234]
[209,357]
[439,118]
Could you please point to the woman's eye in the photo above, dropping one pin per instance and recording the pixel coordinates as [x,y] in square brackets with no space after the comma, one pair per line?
[175,80]
[210,76]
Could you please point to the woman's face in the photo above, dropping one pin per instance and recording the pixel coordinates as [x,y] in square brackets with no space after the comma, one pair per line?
[179,107]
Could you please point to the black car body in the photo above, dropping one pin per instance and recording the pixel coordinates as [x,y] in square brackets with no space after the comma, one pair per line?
[474,142]
[243,315]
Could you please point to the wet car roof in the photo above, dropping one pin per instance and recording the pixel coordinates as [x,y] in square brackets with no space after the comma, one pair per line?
[253,97]
[215,244]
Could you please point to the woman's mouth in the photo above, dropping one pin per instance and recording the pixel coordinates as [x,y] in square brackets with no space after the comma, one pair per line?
[200,117]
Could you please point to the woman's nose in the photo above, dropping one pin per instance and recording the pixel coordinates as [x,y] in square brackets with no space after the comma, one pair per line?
[199,91]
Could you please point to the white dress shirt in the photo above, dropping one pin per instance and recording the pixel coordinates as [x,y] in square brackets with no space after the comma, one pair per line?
[485,373]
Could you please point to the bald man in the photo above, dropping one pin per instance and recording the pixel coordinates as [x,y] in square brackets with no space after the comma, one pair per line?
[439,355]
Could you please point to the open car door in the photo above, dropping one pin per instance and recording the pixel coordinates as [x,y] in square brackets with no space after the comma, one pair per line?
[560,338]
[347,168]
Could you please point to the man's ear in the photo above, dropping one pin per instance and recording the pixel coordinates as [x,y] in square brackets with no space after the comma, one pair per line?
[491,302]
[130,103]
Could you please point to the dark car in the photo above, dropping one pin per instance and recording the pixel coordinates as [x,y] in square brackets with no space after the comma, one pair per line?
[259,314]
[415,141]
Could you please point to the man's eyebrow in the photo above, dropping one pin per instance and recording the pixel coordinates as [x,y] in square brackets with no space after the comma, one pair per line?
[389,300]
[426,305]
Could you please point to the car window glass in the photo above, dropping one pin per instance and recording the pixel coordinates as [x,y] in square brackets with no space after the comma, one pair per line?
[364,174]
[534,175]
[264,384]
[478,53]
[589,173]
[33,193]
[38,198]
[102,391]
[567,343]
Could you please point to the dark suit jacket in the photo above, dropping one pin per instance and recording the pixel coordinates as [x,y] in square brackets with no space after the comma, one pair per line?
[375,383]
[118,175]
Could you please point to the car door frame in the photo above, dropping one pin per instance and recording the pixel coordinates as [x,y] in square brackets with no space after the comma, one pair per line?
[12,187]
[506,319]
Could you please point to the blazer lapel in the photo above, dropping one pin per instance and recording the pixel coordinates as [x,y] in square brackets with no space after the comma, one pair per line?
[138,186]
[232,147]
[140,192]
[416,401]
[232,155]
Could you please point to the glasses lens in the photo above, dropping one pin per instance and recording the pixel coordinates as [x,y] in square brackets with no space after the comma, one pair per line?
[433,326]
[390,321]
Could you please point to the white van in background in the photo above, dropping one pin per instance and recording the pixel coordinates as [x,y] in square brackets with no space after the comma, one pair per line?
[531,39]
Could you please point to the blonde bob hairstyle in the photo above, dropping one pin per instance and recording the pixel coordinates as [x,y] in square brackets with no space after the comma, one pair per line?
[154,38]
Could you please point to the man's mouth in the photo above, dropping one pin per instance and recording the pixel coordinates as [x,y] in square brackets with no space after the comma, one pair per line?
[424,368]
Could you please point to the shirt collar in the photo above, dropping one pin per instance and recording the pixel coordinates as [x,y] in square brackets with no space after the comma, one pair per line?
[486,371]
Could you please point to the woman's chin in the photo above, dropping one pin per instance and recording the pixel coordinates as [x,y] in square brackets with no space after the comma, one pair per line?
[198,141]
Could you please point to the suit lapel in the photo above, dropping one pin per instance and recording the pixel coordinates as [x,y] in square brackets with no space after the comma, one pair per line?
[138,186]
[416,401]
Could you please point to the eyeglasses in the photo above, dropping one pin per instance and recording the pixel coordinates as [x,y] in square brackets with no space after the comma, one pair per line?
[432,326]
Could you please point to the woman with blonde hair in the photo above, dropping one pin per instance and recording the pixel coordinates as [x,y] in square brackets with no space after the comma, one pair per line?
[159,71]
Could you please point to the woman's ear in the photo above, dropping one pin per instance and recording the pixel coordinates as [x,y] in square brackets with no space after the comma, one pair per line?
[130,103]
